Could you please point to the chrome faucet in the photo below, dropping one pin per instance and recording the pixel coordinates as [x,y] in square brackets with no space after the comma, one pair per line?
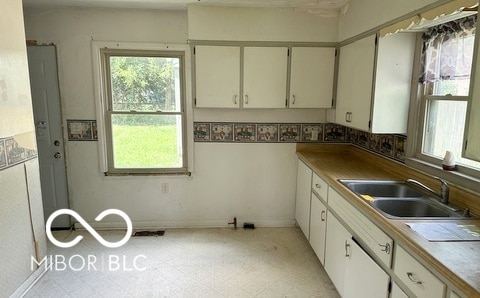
[444,191]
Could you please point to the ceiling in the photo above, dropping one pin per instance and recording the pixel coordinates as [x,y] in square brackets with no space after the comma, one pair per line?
[182,4]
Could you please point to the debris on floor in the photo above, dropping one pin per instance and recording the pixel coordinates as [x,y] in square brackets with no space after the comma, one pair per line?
[149,233]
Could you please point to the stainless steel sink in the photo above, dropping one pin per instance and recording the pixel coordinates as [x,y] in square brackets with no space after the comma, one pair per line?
[411,207]
[398,199]
[374,188]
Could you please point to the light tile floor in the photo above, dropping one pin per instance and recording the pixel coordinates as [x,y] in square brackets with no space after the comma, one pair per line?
[264,262]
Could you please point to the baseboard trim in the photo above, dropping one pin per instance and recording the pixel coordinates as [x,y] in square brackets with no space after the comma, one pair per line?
[23,289]
[142,225]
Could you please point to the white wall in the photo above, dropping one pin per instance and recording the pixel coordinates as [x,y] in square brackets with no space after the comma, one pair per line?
[259,24]
[255,182]
[363,15]
[21,213]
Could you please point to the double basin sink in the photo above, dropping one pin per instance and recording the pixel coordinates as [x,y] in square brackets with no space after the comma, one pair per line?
[401,199]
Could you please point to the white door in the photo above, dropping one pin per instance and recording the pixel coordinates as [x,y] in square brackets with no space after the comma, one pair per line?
[42,63]
[217,76]
[265,77]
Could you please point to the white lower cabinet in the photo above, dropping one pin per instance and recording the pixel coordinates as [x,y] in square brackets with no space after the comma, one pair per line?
[350,268]
[397,292]
[302,202]
[419,280]
[335,252]
[363,277]
[318,226]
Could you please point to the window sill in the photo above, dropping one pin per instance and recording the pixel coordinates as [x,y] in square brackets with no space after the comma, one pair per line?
[179,173]
[462,180]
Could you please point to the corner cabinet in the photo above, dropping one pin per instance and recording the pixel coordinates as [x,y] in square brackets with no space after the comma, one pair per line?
[374,79]
[311,77]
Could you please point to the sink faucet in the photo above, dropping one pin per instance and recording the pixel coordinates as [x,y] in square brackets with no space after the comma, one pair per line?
[444,191]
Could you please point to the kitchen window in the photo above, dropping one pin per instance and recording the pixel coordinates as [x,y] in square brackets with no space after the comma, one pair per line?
[143,104]
[447,56]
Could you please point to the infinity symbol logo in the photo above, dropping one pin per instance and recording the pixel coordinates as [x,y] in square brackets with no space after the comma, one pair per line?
[88,227]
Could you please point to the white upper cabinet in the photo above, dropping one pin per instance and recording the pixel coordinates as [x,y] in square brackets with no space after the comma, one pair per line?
[247,76]
[311,77]
[354,87]
[217,76]
[472,129]
[265,77]
[373,92]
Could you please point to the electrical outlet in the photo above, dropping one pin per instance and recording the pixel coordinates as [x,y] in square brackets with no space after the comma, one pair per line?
[165,188]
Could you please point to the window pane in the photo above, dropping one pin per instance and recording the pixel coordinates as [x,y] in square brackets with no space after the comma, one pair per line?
[145,83]
[452,62]
[444,127]
[147,141]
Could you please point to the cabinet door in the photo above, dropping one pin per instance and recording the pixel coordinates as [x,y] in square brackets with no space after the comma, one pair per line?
[318,226]
[397,292]
[311,77]
[363,277]
[265,77]
[335,252]
[302,203]
[393,81]
[355,83]
[217,76]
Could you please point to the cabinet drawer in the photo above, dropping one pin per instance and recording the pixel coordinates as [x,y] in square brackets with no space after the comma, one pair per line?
[372,236]
[320,186]
[416,277]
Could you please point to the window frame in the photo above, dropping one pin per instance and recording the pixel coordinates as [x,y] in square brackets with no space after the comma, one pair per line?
[102,50]
[464,175]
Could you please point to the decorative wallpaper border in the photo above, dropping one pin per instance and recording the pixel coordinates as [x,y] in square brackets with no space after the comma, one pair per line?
[269,132]
[388,145]
[11,153]
[82,130]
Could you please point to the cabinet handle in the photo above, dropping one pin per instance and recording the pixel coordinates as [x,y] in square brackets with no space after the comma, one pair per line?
[235,99]
[385,248]
[246,99]
[347,248]
[322,215]
[318,185]
[413,279]
[293,99]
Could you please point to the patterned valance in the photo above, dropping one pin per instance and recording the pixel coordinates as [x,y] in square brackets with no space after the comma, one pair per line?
[446,54]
